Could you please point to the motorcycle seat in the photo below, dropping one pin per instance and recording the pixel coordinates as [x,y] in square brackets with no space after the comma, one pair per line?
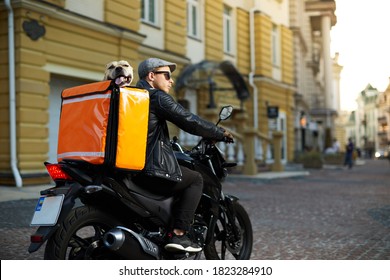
[133,187]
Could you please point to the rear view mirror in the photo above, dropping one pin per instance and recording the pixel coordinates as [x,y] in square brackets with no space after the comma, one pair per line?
[225,113]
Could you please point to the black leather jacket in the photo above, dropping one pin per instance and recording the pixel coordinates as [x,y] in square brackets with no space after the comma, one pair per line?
[160,158]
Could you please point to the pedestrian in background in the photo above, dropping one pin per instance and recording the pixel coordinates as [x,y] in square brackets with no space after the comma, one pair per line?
[349,154]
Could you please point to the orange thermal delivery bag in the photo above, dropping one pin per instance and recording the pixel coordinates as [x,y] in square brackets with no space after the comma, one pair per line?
[103,124]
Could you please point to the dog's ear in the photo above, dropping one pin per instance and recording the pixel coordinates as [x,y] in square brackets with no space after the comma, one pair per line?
[111,64]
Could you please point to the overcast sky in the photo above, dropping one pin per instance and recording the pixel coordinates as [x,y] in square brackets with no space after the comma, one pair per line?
[362,38]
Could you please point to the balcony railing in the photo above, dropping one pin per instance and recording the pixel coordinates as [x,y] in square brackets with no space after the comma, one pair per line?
[235,152]
[250,147]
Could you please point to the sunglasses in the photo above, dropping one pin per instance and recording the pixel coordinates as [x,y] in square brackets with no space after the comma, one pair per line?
[167,74]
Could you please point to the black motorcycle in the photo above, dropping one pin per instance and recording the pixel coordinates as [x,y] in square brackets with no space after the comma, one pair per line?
[95,213]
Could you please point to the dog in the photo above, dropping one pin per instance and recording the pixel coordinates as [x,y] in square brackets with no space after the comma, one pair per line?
[120,71]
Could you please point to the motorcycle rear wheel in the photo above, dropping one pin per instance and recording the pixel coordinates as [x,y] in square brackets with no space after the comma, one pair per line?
[80,236]
[223,247]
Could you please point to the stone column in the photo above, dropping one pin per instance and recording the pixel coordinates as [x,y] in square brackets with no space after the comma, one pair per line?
[326,26]
[250,167]
[248,143]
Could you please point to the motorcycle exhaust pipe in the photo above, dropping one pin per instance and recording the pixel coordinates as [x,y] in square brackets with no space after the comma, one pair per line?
[130,245]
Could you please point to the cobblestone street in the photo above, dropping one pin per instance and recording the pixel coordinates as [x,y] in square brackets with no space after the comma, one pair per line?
[332,214]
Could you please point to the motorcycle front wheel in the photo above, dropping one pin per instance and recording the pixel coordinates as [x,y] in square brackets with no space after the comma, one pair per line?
[224,245]
[80,236]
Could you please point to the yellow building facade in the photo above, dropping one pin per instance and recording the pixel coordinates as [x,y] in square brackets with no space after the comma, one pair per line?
[58,45]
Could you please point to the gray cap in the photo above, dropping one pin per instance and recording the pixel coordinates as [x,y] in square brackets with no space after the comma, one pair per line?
[149,64]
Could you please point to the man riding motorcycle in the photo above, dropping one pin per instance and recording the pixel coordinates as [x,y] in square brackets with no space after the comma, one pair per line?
[162,173]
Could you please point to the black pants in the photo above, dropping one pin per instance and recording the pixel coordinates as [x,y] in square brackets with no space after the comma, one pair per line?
[188,191]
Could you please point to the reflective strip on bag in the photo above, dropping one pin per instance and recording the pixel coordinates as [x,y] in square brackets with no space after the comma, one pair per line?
[81,154]
[86,98]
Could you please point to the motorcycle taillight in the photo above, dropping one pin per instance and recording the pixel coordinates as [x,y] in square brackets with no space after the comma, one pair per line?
[56,172]
[36,238]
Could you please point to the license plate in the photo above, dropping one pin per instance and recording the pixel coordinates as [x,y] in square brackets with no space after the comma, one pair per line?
[47,210]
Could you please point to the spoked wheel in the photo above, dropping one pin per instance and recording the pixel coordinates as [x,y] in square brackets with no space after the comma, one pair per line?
[80,236]
[227,246]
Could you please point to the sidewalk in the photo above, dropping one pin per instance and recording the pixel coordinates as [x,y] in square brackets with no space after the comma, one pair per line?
[272,175]
[8,193]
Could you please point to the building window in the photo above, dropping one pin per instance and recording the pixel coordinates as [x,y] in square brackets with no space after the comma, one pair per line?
[275,46]
[193,18]
[227,29]
[149,11]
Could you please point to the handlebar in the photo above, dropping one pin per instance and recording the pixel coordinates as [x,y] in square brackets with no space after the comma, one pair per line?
[227,139]
[176,146]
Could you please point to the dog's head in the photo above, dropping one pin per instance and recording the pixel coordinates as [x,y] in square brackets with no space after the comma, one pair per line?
[120,71]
